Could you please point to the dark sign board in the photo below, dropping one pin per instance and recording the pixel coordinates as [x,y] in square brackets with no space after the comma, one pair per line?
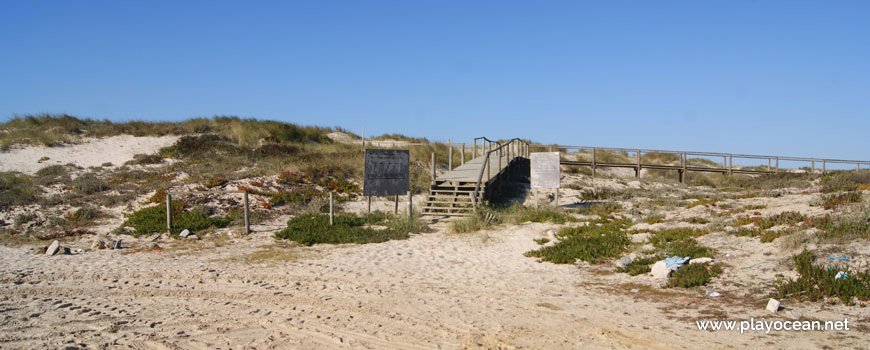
[386,172]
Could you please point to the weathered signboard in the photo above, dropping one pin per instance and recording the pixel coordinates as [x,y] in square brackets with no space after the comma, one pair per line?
[386,172]
[545,169]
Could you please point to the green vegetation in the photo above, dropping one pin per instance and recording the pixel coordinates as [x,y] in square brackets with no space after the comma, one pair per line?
[697,220]
[17,189]
[680,242]
[145,159]
[639,266]
[51,130]
[693,275]
[654,219]
[152,219]
[310,229]
[843,181]
[89,184]
[818,282]
[592,243]
[513,215]
[604,208]
[839,199]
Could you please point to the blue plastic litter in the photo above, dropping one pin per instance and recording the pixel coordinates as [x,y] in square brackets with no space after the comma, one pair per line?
[831,258]
[842,275]
[675,262]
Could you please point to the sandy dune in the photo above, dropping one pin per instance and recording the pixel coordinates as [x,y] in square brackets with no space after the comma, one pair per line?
[95,152]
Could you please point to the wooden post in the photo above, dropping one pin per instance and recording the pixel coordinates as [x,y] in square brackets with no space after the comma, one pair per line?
[637,174]
[777,164]
[364,137]
[813,162]
[824,168]
[593,161]
[463,154]
[410,205]
[370,204]
[248,215]
[168,214]
[685,167]
[433,166]
[396,210]
[331,210]
[557,197]
[488,168]
[449,156]
[768,165]
[551,148]
[730,165]
[474,150]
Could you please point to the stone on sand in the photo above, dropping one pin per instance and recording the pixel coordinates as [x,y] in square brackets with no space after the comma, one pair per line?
[660,270]
[184,233]
[773,305]
[700,260]
[53,248]
[624,261]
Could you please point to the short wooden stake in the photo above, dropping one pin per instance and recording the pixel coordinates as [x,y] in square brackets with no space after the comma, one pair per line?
[449,155]
[169,214]
[331,209]
[396,210]
[410,205]
[370,204]
[247,215]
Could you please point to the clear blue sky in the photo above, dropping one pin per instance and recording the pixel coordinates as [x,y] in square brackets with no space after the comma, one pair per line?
[768,77]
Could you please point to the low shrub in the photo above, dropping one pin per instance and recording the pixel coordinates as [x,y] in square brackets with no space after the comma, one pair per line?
[145,159]
[693,275]
[818,282]
[310,229]
[680,242]
[89,184]
[639,266]
[152,219]
[835,200]
[17,189]
[590,243]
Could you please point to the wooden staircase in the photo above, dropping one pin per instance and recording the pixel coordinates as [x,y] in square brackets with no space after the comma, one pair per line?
[452,198]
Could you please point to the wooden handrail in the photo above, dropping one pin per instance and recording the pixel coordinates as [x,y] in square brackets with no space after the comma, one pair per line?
[487,158]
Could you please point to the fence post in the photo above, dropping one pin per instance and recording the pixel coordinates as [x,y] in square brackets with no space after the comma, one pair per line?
[814,166]
[685,167]
[449,156]
[168,214]
[474,149]
[396,209]
[777,164]
[824,168]
[433,166]
[247,214]
[730,165]
[410,205]
[593,160]
[637,174]
[370,204]
[331,209]
[463,154]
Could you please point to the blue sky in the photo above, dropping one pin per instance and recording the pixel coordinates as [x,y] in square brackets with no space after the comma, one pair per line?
[764,77]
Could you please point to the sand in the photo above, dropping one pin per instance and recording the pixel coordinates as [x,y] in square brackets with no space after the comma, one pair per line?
[91,152]
[433,291]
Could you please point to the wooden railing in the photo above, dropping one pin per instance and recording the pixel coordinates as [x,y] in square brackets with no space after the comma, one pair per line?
[512,148]
[683,168]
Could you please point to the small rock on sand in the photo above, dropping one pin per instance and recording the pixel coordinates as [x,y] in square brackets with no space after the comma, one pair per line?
[53,248]
[773,305]
[184,233]
[700,260]
[624,261]
[640,237]
[660,270]
[193,237]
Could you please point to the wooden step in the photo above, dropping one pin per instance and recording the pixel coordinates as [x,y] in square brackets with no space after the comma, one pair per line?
[448,208]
